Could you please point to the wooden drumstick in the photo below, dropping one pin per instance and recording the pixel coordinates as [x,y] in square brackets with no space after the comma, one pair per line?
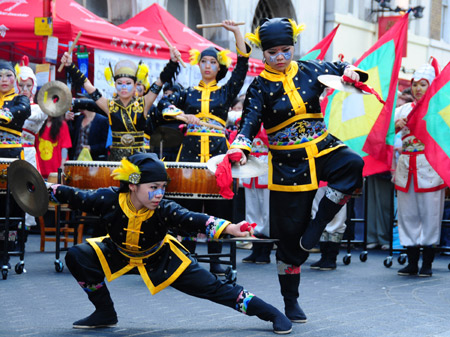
[170,46]
[70,49]
[213,25]
[209,125]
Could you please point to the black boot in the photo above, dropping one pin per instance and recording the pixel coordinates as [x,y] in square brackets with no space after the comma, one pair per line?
[412,268]
[289,290]
[257,307]
[256,248]
[325,213]
[427,261]
[104,315]
[264,253]
[215,268]
[331,256]
[323,253]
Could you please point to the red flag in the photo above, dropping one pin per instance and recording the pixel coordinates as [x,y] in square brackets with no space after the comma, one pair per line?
[361,121]
[376,144]
[318,52]
[429,121]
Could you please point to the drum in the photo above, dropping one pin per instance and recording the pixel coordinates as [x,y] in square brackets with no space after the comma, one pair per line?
[4,164]
[187,180]
[90,175]
[192,181]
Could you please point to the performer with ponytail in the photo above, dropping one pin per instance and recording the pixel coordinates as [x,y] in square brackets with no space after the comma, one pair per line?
[285,98]
[127,112]
[209,103]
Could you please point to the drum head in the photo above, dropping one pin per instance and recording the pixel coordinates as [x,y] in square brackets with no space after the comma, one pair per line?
[253,168]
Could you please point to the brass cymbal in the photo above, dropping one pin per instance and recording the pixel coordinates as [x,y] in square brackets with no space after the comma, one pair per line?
[170,136]
[28,188]
[335,82]
[54,98]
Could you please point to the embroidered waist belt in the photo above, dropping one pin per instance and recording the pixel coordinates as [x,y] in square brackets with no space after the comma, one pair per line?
[127,139]
[297,133]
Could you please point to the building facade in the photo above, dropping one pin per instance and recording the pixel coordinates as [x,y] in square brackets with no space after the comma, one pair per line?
[428,35]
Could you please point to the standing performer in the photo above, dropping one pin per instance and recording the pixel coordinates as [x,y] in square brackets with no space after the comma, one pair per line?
[27,85]
[209,103]
[138,220]
[14,110]
[257,203]
[127,113]
[285,98]
[420,190]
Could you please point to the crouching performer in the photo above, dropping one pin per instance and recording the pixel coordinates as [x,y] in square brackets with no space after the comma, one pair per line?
[137,220]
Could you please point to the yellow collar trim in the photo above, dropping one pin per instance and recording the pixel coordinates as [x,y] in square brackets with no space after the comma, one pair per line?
[298,106]
[277,76]
[135,220]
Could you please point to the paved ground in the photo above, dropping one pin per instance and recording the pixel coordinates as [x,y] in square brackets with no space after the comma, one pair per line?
[360,299]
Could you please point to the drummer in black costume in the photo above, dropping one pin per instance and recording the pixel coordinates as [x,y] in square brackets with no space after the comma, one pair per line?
[209,103]
[127,112]
[285,98]
[138,220]
[14,110]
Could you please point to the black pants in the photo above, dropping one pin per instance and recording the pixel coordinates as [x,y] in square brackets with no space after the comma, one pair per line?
[84,265]
[290,212]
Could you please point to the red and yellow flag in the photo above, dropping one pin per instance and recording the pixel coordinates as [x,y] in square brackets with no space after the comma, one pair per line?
[319,50]
[429,121]
[361,121]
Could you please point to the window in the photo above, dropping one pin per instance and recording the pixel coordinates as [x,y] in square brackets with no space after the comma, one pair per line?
[98,7]
[445,22]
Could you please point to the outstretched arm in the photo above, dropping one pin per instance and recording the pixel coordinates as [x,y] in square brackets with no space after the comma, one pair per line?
[79,78]
[231,26]
[169,71]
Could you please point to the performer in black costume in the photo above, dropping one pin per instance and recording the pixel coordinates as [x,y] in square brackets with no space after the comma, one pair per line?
[209,103]
[138,220]
[14,110]
[285,98]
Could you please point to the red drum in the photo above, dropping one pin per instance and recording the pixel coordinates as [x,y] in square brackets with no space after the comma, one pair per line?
[187,180]
[4,164]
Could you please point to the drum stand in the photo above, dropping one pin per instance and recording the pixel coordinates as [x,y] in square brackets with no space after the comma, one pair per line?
[20,266]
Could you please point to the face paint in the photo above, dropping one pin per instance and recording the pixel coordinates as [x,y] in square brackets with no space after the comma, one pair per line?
[159,191]
[287,56]
[204,63]
[127,87]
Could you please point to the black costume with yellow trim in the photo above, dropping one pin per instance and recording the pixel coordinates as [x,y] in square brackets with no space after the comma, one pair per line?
[139,239]
[127,126]
[302,152]
[210,103]
[11,133]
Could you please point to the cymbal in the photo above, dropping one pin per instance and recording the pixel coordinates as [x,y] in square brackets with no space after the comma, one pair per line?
[54,98]
[28,188]
[253,168]
[170,136]
[335,82]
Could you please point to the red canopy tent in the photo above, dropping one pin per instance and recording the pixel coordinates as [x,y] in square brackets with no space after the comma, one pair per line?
[147,23]
[17,31]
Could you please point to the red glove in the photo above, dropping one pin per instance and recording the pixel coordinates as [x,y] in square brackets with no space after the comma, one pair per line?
[223,175]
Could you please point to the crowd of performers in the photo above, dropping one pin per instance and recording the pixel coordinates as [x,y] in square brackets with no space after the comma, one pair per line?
[281,111]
